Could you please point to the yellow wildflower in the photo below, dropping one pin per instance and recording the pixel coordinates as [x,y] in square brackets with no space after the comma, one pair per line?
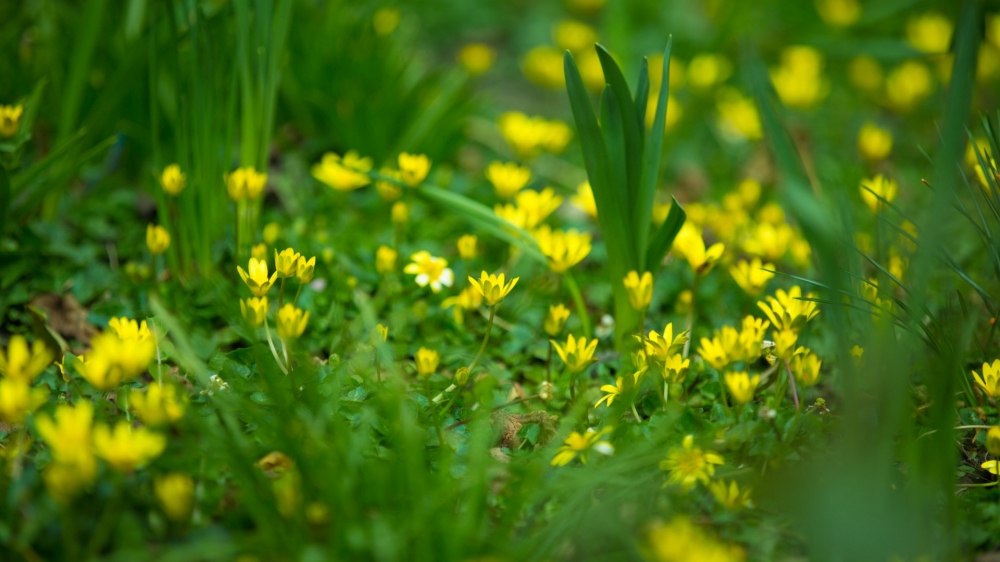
[865,73]
[907,85]
[176,494]
[768,241]
[400,213]
[385,259]
[492,287]
[389,191]
[305,268]
[537,205]
[286,263]
[507,179]
[874,142]
[429,270]
[159,405]
[254,310]
[291,321]
[10,119]
[784,343]
[706,70]
[613,391]
[173,180]
[563,249]
[991,466]
[271,232]
[125,448]
[257,280]
[930,32]
[574,35]
[556,319]
[511,213]
[530,135]
[21,363]
[857,351]
[873,190]
[543,65]
[580,445]
[577,353]
[787,311]
[414,167]
[477,58]
[805,367]
[690,245]
[69,441]
[467,246]
[681,541]
[689,465]
[640,289]
[469,299]
[798,81]
[742,386]
[730,495]
[752,276]
[990,380]
[584,199]
[721,349]
[343,174]
[993,440]
[839,13]
[738,116]
[18,399]
[259,251]
[674,367]
[379,334]
[245,183]
[112,360]
[750,339]
[427,361]
[157,239]
[665,345]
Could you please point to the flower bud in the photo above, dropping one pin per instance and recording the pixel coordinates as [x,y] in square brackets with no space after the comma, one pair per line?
[462,377]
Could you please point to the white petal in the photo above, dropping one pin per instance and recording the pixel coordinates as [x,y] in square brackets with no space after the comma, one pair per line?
[447,277]
[422,279]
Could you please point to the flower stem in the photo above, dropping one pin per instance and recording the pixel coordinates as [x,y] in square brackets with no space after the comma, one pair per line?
[791,382]
[274,351]
[486,338]
[297,293]
[281,293]
[690,315]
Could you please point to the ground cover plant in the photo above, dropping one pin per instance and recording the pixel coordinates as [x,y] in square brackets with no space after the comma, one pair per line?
[562,280]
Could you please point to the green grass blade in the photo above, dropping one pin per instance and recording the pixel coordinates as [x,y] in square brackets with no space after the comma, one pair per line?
[613,131]
[631,126]
[664,237]
[653,152]
[642,99]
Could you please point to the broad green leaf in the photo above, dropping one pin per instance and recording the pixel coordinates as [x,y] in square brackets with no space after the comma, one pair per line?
[631,125]
[651,159]
[612,129]
[664,237]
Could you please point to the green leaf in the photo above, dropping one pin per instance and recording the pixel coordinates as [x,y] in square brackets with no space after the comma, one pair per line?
[642,97]
[631,125]
[612,129]
[652,153]
[664,238]
[4,199]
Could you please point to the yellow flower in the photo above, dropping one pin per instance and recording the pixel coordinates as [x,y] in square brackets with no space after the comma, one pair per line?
[543,65]
[379,334]
[681,541]
[259,251]
[245,183]
[173,180]
[286,263]
[176,494]
[613,391]
[706,70]
[271,232]
[721,349]
[742,386]
[787,311]
[305,268]
[857,351]
[730,495]
[528,136]
[674,366]
[492,287]
[291,321]
[69,441]
[556,319]
[125,448]
[665,345]
[18,399]
[806,368]
[640,289]
[579,445]
[574,35]
[750,339]
[865,73]
[798,81]
[507,179]
[768,241]
[387,190]
[113,360]
[752,276]
[563,249]
[584,199]
[577,353]
[537,205]
[990,380]
[477,58]
[23,364]
[930,32]
[343,174]
[157,239]
[429,270]
[427,361]
[738,116]
[10,119]
[784,343]
[414,167]
[385,259]
[874,142]
[257,280]
[993,440]
[690,245]
[469,299]
[688,464]
[467,246]
[839,13]
[991,466]
[907,85]
[127,329]
[511,213]
[873,189]
[385,21]
[400,213]
[254,310]
[159,405]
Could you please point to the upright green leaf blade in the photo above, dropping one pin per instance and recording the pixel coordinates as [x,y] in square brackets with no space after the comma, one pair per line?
[642,98]
[630,125]
[651,160]
[612,129]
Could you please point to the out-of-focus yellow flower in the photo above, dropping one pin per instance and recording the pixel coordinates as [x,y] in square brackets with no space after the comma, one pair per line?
[750,340]
[678,74]
[429,270]
[591,70]
[681,541]
[799,81]
[157,239]
[787,311]
[984,181]
[305,268]
[507,179]
[738,117]
[511,214]
[689,464]
[690,245]
[874,142]
[801,252]
[684,301]
[379,334]
[579,445]
[385,259]
[159,405]
[574,35]
[467,246]
[254,310]
[805,367]
[639,288]
[477,58]
[400,213]
[584,199]
[784,343]
[857,351]
[259,251]
[613,391]
[245,183]
[286,263]
[730,495]
[663,346]
[112,360]
[839,13]
[291,321]
[387,190]
[865,73]
[768,241]
[674,367]
[18,399]
[257,280]
[721,349]
[556,319]
[674,111]
[706,70]
[176,494]
[173,180]
[930,32]
[537,205]
[907,85]
[528,136]
[469,299]
[742,386]
[991,466]
[874,190]
[563,249]
[752,276]
[23,363]
[993,440]
[385,21]
[426,361]
[343,174]
[492,287]
[543,65]
[127,329]
[271,232]
[990,379]
[10,119]
[577,353]
[69,441]
[414,167]
[125,448]
[749,192]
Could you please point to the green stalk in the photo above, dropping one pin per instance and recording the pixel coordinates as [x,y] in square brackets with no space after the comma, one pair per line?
[274,351]
[486,338]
